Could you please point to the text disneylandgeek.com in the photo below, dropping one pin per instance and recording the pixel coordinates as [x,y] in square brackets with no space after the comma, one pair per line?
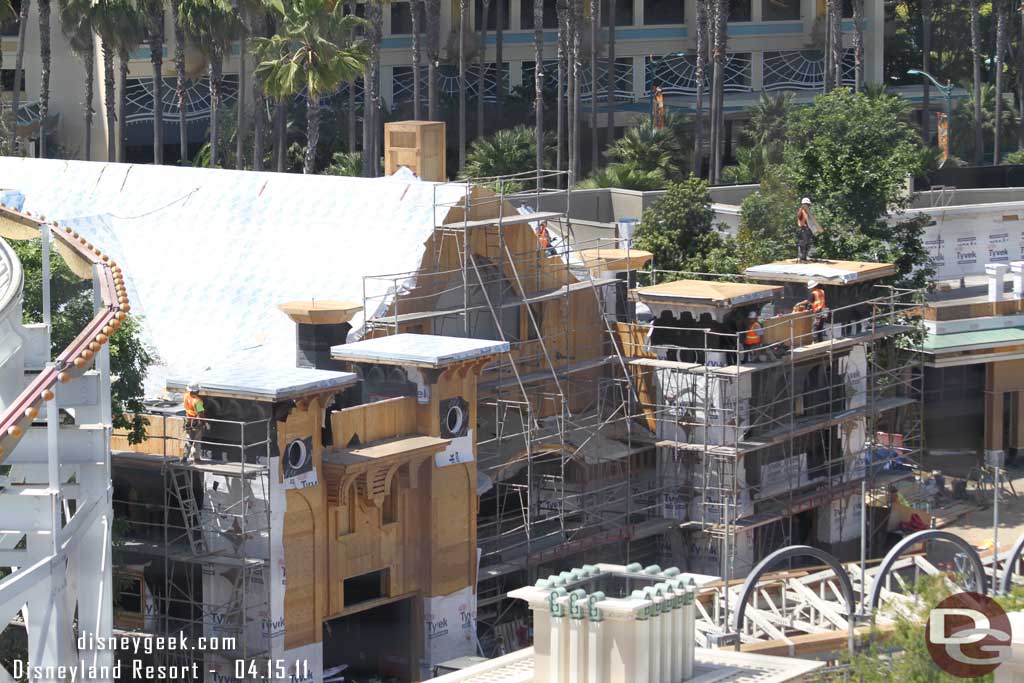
[135,662]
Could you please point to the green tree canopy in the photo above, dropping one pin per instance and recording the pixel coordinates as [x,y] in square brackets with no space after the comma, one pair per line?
[678,230]
[71,302]
[506,152]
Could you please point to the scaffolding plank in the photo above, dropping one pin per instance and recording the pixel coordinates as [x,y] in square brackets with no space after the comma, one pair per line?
[822,348]
[542,375]
[512,219]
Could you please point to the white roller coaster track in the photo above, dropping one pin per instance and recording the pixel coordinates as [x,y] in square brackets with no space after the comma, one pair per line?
[55,500]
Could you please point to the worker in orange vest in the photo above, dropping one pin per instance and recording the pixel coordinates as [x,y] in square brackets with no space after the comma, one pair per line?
[544,237]
[195,420]
[816,305]
[755,332]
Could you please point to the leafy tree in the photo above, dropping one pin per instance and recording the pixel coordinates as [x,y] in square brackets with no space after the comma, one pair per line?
[504,153]
[71,302]
[624,176]
[852,155]
[646,149]
[346,164]
[677,229]
[767,230]
[314,53]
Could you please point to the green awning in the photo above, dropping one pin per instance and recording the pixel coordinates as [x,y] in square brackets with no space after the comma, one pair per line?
[941,343]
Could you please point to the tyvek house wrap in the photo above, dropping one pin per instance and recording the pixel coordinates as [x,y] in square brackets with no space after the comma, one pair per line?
[208,254]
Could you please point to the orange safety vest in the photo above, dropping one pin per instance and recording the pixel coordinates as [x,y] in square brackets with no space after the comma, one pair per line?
[542,235]
[817,300]
[753,337]
[193,405]
[801,217]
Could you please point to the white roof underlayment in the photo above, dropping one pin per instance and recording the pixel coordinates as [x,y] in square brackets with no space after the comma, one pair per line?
[208,254]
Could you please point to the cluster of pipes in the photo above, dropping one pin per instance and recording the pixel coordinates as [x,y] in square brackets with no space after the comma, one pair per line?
[581,637]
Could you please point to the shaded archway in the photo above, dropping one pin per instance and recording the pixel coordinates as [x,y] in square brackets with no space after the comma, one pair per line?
[913,539]
[750,585]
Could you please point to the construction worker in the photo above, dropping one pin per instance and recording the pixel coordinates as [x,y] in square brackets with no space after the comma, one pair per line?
[658,113]
[755,332]
[544,237]
[195,414]
[815,303]
[804,235]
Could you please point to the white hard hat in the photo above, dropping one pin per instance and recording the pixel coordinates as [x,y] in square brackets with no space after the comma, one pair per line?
[805,200]
[752,314]
[811,284]
[193,386]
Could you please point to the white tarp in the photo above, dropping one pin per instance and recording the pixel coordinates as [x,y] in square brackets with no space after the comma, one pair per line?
[208,254]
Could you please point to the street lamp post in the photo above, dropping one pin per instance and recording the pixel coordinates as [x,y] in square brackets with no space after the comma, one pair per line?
[946,90]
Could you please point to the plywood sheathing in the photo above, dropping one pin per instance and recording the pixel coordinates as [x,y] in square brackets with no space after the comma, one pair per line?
[611,260]
[837,273]
[706,293]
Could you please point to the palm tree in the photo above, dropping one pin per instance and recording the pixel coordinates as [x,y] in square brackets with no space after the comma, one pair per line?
[352,99]
[858,45]
[561,9]
[979,148]
[480,66]
[131,32]
[538,81]
[506,152]
[1001,11]
[179,85]
[612,73]
[499,59]
[44,73]
[702,56]
[574,122]
[763,139]
[926,66]
[595,17]
[371,89]
[76,25]
[835,34]
[433,12]
[19,65]
[155,15]
[314,52]
[720,44]
[213,24]
[463,5]
[118,24]
[414,16]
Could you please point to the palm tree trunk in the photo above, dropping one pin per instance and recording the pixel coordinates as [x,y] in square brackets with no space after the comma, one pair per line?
[1020,84]
[110,100]
[499,61]
[612,75]
[979,147]
[312,133]
[352,97]
[216,70]
[433,9]
[243,40]
[563,34]
[926,65]
[156,57]
[858,45]
[717,95]
[997,155]
[836,20]
[701,66]
[371,93]
[179,86]
[595,18]
[414,15]
[259,105]
[280,131]
[44,73]
[574,122]
[19,65]
[89,59]
[538,82]
[481,68]
[462,81]
[122,132]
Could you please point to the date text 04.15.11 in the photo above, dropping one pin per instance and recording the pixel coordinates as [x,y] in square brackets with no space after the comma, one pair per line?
[271,670]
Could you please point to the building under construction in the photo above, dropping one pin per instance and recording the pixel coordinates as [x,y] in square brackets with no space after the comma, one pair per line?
[505,402]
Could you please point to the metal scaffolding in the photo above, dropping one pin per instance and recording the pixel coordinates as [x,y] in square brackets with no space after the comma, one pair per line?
[205,542]
[623,450]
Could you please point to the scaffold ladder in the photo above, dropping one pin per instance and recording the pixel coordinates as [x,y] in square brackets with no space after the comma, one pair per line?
[181,482]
